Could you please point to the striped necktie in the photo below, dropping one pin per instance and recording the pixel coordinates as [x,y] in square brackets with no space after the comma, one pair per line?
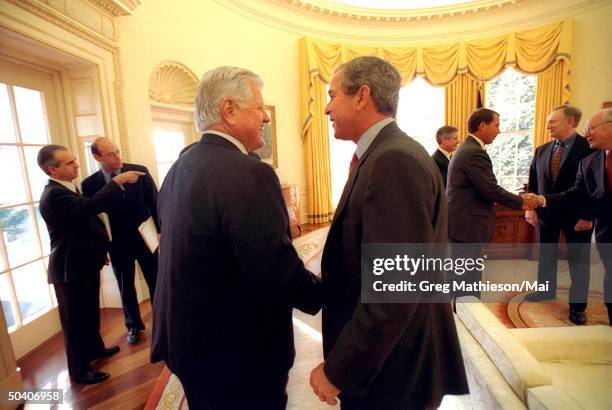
[555,164]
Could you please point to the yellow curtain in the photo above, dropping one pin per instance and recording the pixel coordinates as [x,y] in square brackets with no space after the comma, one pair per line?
[460,99]
[531,51]
[552,90]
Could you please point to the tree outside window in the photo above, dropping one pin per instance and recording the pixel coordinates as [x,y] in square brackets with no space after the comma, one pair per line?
[512,95]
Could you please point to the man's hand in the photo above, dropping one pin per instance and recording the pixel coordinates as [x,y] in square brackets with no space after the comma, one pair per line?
[532,201]
[583,225]
[531,217]
[128,177]
[322,387]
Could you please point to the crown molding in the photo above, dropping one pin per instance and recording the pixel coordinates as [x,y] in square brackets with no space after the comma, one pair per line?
[299,17]
[117,7]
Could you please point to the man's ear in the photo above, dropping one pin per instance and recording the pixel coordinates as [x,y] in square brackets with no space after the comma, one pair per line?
[97,157]
[363,96]
[228,111]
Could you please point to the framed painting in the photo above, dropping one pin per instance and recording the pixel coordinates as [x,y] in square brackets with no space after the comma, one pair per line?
[268,152]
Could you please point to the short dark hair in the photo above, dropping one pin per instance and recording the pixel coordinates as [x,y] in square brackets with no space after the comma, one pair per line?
[94,146]
[445,132]
[46,157]
[479,116]
[379,75]
[569,111]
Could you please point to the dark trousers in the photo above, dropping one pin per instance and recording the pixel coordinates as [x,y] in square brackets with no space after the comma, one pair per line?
[466,250]
[264,391]
[605,253]
[78,302]
[123,254]
[578,250]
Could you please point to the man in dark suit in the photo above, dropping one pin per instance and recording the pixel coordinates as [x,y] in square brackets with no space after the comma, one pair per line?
[472,192]
[382,355]
[137,204]
[448,139]
[593,188]
[228,273]
[78,251]
[553,170]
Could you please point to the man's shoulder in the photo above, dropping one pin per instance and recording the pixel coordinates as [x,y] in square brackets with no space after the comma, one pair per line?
[134,167]
[91,179]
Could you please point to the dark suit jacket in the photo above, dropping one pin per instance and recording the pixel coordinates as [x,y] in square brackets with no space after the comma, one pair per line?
[591,189]
[77,235]
[442,163]
[540,182]
[395,195]
[128,211]
[228,272]
[472,191]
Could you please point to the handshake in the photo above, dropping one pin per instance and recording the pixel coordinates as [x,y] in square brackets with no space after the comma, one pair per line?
[532,201]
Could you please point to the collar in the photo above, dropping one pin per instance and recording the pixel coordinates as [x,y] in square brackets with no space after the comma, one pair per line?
[482,144]
[107,175]
[231,139]
[364,142]
[568,141]
[67,184]
[446,153]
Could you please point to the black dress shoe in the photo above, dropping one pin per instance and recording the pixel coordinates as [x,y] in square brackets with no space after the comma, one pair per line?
[106,352]
[133,336]
[92,376]
[577,318]
[539,297]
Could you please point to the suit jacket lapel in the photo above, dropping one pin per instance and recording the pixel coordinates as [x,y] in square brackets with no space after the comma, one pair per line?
[546,156]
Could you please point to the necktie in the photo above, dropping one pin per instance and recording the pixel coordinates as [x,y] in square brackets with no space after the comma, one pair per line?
[78,191]
[555,164]
[609,170]
[113,174]
[353,163]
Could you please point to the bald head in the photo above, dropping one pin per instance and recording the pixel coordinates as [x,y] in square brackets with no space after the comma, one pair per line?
[107,153]
[598,130]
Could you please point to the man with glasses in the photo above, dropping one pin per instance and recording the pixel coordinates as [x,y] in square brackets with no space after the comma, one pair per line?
[553,170]
[593,187]
[137,204]
[229,275]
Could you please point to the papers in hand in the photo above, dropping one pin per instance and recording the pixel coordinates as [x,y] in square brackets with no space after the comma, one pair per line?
[148,231]
[104,217]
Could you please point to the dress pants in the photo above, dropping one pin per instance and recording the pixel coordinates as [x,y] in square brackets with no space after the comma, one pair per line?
[264,391]
[578,250]
[124,252]
[78,302]
[470,251]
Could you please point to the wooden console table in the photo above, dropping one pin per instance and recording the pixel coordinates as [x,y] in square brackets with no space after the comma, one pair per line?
[512,233]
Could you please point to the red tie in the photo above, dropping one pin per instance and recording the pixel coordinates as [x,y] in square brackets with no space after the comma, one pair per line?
[609,170]
[555,164]
[353,163]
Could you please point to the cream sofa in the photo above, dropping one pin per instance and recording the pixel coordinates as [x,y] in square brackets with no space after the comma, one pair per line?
[539,368]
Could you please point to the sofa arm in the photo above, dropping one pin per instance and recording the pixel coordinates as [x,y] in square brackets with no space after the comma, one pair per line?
[518,366]
[585,343]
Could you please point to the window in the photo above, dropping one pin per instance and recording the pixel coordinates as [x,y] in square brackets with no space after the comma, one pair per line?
[512,95]
[24,241]
[420,113]
[169,140]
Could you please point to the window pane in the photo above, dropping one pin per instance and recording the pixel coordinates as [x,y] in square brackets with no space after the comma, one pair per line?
[512,153]
[19,237]
[168,145]
[38,179]
[513,96]
[421,112]
[31,289]
[13,189]
[7,128]
[5,297]
[31,116]
[42,228]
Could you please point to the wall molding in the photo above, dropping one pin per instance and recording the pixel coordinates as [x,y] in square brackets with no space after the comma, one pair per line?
[171,82]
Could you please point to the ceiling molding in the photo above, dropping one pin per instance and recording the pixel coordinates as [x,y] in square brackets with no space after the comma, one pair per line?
[117,7]
[499,18]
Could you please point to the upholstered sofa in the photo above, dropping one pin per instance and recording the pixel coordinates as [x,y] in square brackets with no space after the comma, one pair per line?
[538,368]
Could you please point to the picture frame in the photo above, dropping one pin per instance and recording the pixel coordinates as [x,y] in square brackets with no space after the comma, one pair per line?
[268,153]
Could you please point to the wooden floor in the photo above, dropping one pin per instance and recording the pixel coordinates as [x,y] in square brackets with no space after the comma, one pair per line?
[132,377]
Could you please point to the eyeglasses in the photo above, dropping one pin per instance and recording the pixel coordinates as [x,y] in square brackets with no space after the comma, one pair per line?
[588,129]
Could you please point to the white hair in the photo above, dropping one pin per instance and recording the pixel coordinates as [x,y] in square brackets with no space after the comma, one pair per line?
[219,84]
